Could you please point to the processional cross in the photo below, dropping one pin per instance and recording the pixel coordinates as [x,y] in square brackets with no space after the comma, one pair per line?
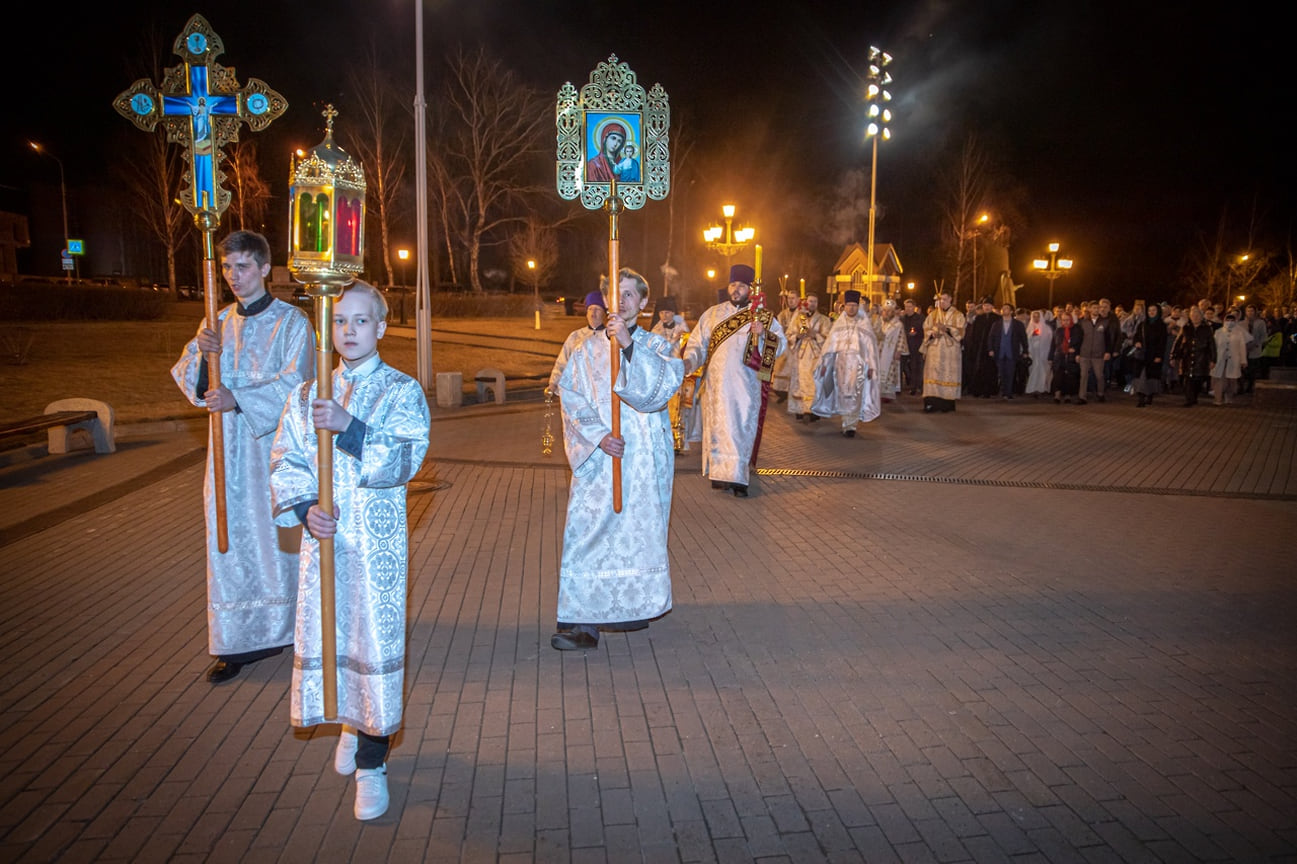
[201,105]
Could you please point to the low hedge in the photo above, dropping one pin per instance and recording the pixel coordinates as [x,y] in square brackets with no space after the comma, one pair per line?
[46,301]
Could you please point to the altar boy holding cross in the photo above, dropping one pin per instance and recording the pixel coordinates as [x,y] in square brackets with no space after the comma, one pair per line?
[381,417]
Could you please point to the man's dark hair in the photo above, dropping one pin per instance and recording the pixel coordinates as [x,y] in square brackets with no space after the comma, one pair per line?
[248,242]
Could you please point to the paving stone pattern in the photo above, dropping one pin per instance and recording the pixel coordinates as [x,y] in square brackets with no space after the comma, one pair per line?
[1021,632]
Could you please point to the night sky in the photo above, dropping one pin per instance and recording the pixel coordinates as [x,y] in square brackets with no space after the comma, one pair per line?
[1124,130]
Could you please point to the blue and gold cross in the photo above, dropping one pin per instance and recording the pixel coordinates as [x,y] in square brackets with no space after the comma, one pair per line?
[201,105]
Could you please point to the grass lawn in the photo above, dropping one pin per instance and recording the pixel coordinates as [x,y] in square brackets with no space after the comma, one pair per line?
[128,363]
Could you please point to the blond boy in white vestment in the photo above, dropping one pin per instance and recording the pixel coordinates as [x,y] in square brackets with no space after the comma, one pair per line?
[381,417]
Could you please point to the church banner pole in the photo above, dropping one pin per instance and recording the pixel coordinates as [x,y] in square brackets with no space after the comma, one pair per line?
[613,205]
[201,105]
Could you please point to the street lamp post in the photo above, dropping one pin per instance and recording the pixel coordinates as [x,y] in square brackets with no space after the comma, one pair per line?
[878,118]
[1052,268]
[63,189]
[404,256]
[535,289]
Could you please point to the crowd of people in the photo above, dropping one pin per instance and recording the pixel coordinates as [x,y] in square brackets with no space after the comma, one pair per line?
[1074,353]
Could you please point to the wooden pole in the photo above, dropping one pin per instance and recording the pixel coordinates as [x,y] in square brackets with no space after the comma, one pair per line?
[613,205]
[324,297]
[211,300]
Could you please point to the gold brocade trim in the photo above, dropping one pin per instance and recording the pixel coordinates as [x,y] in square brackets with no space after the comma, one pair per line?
[732,325]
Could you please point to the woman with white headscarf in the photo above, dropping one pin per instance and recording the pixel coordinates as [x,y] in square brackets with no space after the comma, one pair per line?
[1040,336]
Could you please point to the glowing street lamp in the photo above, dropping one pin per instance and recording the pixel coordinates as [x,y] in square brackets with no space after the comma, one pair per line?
[63,189]
[404,256]
[878,116]
[735,241]
[1052,268]
[535,289]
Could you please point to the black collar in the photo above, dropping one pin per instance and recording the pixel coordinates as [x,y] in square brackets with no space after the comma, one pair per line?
[256,306]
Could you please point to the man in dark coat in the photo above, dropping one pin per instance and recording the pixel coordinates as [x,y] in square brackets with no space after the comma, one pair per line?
[912,328]
[1005,346]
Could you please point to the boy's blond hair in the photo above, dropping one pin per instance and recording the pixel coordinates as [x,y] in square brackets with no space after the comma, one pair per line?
[381,310]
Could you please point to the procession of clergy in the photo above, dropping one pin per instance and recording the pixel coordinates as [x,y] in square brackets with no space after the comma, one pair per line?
[711,385]
[253,370]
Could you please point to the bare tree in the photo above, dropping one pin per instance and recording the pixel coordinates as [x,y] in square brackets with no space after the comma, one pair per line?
[491,129]
[151,181]
[1219,270]
[379,143]
[1281,288]
[533,252]
[966,184]
[249,192]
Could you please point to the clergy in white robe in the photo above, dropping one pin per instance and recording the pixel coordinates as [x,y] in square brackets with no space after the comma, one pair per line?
[733,344]
[615,566]
[380,451]
[943,335]
[595,312]
[267,349]
[847,375]
[671,326]
[891,346]
[806,337]
[782,376]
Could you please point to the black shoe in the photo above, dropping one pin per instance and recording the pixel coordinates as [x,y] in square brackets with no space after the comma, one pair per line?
[1058,400]
[848,433]
[800,416]
[720,484]
[573,640]
[740,491]
[1101,398]
[813,418]
[624,627]
[1080,401]
[223,671]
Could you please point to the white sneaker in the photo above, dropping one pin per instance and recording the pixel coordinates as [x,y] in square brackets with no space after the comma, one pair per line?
[371,792]
[344,757]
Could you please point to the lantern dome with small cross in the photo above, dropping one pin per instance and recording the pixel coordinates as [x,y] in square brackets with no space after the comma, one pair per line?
[327,214]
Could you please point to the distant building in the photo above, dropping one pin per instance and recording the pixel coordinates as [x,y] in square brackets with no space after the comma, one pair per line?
[852,273]
[13,236]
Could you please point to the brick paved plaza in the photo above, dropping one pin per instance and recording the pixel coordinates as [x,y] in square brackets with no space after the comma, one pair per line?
[1020,632]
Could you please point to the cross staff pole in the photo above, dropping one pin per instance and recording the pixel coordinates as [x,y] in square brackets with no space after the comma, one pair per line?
[324,295]
[207,222]
[613,206]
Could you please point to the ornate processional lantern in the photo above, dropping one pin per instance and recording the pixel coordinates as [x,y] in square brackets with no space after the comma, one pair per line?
[326,251]
[327,215]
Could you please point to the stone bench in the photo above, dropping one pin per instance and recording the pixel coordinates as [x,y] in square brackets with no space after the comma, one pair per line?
[72,424]
[450,389]
[489,379]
